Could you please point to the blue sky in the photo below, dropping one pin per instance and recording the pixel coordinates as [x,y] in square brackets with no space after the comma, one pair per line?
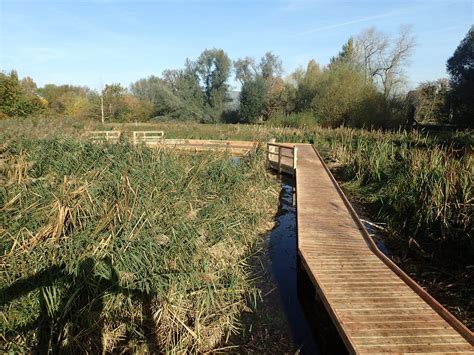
[103,41]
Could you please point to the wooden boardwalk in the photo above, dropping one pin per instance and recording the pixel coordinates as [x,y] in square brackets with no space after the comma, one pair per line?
[155,139]
[375,306]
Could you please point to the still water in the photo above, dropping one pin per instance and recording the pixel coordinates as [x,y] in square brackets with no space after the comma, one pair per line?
[288,318]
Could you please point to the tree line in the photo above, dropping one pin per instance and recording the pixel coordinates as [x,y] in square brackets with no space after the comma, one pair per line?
[362,86]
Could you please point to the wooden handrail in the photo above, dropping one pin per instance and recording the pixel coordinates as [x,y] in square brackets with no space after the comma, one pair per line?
[275,149]
[104,135]
[147,136]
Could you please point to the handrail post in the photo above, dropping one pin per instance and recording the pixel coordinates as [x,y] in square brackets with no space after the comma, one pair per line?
[295,158]
[267,157]
[279,160]
[270,149]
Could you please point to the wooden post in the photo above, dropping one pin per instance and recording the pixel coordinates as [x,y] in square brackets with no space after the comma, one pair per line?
[267,157]
[279,160]
[295,159]
[270,149]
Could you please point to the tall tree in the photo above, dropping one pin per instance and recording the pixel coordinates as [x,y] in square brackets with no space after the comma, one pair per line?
[461,69]
[245,69]
[307,83]
[384,59]
[270,66]
[147,89]
[253,99]
[348,55]
[264,82]
[213,67]
[113,101]
[158,93]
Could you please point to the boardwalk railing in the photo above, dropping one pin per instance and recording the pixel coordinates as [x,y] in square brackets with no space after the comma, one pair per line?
[147,136]
[282,157]
[104,136]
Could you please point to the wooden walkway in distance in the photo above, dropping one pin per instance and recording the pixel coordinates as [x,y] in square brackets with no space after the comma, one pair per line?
[375,306]
[155,139]
[234,147]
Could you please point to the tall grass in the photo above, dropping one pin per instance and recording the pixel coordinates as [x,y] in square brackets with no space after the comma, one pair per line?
[423,191]
[118,248]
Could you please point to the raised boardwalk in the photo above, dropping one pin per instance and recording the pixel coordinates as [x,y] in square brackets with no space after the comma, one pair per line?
[374,305]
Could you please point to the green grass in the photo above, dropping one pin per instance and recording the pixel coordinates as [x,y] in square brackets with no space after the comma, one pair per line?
[118,248]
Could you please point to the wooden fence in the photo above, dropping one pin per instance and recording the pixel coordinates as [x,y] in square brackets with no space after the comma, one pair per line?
[104,136]
[147,136]
[282,157]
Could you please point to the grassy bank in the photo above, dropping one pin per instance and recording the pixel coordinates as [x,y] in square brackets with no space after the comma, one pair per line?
[117,248]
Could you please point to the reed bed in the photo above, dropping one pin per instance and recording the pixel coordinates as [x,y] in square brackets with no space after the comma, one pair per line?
[421,190]
[122,248]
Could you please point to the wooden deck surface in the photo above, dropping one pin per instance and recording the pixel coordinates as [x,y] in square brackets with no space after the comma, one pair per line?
[373,307]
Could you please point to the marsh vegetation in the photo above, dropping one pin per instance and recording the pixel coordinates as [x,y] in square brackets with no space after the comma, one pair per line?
[119,248]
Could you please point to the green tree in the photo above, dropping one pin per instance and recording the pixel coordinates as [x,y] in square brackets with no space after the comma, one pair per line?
[158,93]
[213,68]
[18,98]
[186,86]
[348,55]
[253,99]
[270,66]
[461,69]
[60,97]
[307,84]
[431,101]
[266,83]
[340,90]
[245,69]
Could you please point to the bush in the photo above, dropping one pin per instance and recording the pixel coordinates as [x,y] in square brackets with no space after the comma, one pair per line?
[341,90]
[293,120]
[373,111]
